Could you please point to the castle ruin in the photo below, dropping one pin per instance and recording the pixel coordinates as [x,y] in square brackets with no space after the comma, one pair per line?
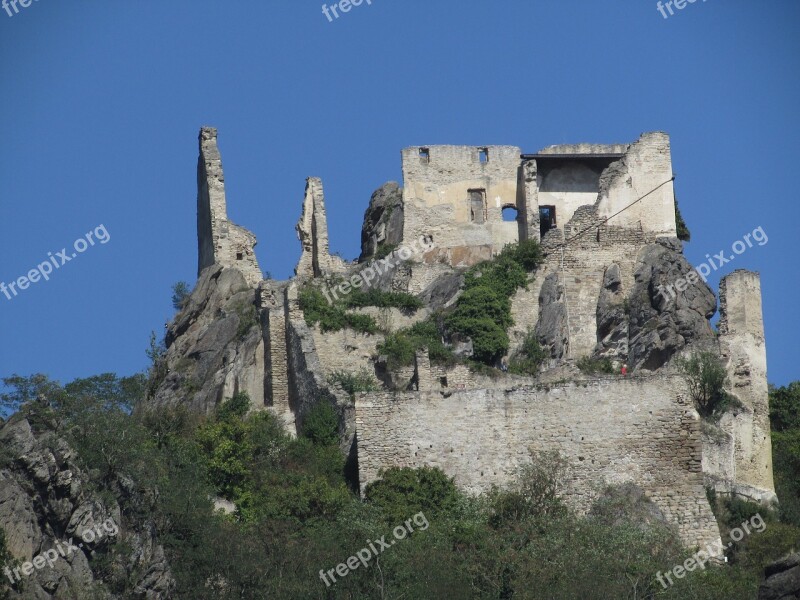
[605,218]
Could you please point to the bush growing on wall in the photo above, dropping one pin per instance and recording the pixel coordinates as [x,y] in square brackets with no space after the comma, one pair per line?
[706,378]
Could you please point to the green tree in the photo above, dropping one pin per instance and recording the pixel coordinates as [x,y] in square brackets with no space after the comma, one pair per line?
[706,378]
[180,295]
[404,492]
[682,231]
[321,424]
[784,407]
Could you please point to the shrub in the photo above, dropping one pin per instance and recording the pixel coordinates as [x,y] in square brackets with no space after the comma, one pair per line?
[352,383]
[234,408]
[592,366]
[374,297]
[706,379]
[530,356]
[180,295]
[682,230]
[535,494]
[403,492]
[383,250]
[400,347]
[331,317]
[501,275]
[248,318]
[483,315]
[527,254]
[321,424]
[784,407]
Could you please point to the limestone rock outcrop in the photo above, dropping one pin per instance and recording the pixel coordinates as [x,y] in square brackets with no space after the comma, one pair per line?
[662,324]
[46,500]
[656,319]
[383,220]
[215,345]
[551,328]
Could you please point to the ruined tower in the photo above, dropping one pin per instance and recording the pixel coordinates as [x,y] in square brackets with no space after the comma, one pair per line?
[219,240]
[741,338]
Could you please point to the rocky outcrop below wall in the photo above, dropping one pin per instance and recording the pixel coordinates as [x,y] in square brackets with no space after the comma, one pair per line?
[46,501]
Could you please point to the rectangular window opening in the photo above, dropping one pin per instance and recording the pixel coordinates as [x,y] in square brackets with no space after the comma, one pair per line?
[483,154]
[477,206]
[425,155]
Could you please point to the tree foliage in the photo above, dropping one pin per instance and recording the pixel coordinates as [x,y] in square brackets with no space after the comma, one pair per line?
[706,378]
[180,295]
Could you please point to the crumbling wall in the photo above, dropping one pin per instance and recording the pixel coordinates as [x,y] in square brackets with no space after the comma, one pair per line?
[741,339]
[646,169]
[312,231]
[220,241]
[612,431]
[307,378]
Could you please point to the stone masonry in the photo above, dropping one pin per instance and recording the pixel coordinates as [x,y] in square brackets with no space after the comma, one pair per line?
[637,430]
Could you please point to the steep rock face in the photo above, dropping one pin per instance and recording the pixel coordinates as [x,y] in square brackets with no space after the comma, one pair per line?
[383,220]
[662,323]
[655,319]
[612,317]
[551,328]
[45,502]
[215,345]
[782,580]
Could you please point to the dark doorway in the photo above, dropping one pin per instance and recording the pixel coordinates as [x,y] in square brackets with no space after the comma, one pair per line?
[547,219]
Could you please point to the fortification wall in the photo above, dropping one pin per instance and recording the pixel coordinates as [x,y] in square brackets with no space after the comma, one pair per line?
[612,431]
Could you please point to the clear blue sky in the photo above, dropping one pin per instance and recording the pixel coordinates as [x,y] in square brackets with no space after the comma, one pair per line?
[102,101]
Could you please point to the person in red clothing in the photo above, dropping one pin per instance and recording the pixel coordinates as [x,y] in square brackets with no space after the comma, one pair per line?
[624,370]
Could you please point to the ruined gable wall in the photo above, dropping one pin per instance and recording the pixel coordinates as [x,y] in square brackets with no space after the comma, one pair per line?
[639,430]
[646,165]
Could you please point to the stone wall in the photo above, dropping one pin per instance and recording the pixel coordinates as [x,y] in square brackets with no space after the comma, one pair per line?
[612,431]
[307,378]
[440,184]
